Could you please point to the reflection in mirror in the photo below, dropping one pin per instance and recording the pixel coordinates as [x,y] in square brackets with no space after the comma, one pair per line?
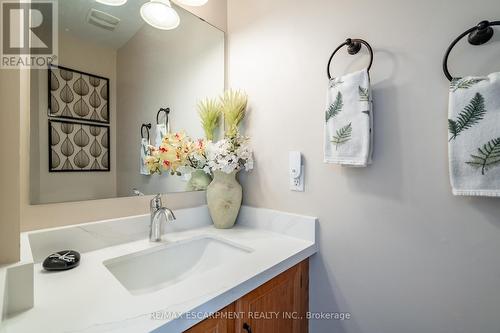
[95,111]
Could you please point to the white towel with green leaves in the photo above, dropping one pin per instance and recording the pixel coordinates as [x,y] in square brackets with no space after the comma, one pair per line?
[474,135]
[144,153]
[348,120]
[161,132]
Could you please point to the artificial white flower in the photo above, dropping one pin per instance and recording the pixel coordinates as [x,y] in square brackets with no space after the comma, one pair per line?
[230,154]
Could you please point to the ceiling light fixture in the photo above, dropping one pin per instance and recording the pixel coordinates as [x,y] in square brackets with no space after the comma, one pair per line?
[193,3]
[112,2]
[160,14]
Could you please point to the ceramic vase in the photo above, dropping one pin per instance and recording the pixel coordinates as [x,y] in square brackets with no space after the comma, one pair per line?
[224,195]
[199,181]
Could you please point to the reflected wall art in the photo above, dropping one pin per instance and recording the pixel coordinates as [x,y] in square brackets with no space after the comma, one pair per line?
[78,95]
[78,147]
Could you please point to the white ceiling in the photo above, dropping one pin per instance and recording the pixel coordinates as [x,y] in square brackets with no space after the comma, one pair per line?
[73,20]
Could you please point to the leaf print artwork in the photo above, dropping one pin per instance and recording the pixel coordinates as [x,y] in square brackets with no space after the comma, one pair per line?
[104,161]
[334,83]
[94,116]
[54,105]
[67,148]
[67,165]
[54,82]
[104,112]
[66,95]
[77,95]
[364,95]
[66,75]
[81,87]
[77,146]
[55,138]
[66,112]
[55,160]
[81,138]
[488,156]
[81,108]
[95,100]
[95,165]
[94,81]
[95,149]
[67,128]
[81,159]
[471,115]
[342,136]
[463,83]
[95,131]
[104,92]
[104,141]
[335,107]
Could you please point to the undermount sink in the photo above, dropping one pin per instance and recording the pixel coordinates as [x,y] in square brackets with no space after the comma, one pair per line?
[156,268]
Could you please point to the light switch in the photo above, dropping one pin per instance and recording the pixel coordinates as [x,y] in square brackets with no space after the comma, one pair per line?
[296,171]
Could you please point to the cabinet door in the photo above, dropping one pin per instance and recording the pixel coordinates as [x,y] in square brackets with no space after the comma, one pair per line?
[278,306]
[218,324]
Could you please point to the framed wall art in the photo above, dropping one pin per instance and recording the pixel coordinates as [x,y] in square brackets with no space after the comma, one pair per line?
[77,95]
[77,147]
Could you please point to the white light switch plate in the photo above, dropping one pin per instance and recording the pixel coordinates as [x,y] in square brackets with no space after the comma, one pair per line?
[297,184]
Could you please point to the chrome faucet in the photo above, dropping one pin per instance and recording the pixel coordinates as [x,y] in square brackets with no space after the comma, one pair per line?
[157,210]
[137,193]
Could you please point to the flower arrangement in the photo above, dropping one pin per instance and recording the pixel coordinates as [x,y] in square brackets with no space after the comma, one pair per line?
[229,155]
[177,152]
[180,154]
[197,159]
[232,153]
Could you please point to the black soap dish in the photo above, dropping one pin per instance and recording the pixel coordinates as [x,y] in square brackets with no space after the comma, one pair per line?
[62,261]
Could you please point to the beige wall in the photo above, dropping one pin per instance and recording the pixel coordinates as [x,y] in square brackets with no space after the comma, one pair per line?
[10,164]
[178,79]
[47,187]
[397,250]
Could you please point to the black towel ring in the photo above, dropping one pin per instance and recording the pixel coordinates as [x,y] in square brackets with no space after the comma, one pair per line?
[353,47]
[478,35]
[148,127]
[167,112]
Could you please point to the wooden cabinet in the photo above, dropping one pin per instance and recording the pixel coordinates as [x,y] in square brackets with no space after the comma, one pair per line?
[278,306]
[221,323]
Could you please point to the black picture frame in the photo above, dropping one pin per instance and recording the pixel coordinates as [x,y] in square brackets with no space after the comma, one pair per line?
[89,124]
[81,73]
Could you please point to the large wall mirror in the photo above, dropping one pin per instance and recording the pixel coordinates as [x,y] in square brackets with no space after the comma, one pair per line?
[92,109]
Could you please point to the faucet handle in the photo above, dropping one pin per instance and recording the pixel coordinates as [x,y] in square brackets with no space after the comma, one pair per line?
[156,202]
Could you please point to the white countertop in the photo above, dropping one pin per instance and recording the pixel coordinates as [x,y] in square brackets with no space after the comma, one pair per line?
[90,299]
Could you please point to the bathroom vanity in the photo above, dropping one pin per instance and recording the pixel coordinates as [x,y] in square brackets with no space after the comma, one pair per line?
[255,275]
[279,305]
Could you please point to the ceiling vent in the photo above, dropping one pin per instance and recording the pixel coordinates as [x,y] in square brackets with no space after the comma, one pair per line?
[102,20]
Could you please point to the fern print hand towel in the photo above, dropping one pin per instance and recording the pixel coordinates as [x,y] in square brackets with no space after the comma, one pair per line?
[474,135]
[348,120]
